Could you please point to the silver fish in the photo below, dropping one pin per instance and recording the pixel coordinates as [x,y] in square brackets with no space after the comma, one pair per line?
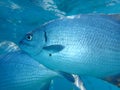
[18,71]
[83,45]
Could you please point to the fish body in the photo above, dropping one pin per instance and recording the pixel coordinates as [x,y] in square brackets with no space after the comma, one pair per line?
[84,45]
[18,71]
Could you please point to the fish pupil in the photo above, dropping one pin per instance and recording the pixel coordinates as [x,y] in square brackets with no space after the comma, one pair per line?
[29,37]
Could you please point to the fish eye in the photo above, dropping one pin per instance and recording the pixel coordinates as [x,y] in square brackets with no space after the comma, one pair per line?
[29,37]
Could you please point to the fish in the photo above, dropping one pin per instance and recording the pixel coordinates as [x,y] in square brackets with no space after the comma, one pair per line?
[81,45]
[18,71]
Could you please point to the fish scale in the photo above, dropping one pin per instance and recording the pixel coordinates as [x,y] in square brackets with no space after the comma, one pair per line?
[86,37]
[89,42]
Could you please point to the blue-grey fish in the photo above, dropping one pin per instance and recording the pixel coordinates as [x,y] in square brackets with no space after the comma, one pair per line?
[18,71]
[83,45]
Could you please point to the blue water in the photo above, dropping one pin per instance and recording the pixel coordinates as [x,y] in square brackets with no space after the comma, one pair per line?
[88,6]
[20,16]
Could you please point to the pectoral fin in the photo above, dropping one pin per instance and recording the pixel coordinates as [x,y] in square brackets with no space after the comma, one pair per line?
[54,48]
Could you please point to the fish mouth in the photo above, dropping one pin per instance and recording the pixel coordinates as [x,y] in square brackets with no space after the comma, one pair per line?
[25,43]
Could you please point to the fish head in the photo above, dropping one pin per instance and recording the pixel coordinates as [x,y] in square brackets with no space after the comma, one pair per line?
[33,41]
[42,39]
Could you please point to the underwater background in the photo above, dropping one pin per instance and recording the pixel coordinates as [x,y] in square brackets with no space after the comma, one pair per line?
[17,17]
